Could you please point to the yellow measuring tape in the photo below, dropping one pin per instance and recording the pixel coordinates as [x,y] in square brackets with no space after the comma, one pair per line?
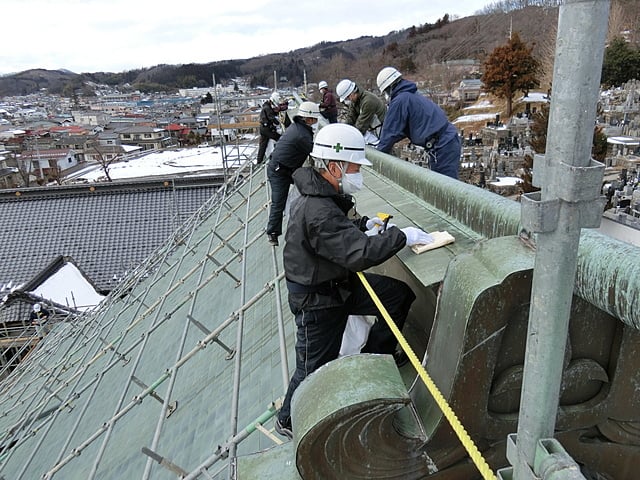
[449,414]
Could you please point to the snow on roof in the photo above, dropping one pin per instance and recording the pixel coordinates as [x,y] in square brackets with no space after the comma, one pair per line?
[130,148]
[480,105]
[69,287]
[504,181]
[170,162]
[478,117]
[535,97]
[630,141]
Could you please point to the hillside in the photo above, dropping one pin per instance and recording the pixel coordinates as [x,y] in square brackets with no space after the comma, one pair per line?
[423,44]
[422,51]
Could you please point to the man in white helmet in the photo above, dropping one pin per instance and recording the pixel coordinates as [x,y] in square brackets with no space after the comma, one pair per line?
[39,316]
[365,111]
[269,123]
[323,251]
[411,114]
[291,151]
[328,107]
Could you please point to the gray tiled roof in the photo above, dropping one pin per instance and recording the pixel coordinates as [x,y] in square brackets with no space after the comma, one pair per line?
[107,230]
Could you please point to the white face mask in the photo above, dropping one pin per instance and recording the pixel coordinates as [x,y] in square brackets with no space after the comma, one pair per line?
[314,127]
[352,182]
[387,97]
[347,102]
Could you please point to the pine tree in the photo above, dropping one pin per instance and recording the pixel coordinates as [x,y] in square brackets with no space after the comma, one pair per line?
[511,68]
[621,63]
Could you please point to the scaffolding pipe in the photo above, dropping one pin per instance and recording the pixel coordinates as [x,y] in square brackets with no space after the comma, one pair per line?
[582,28]
[237,377]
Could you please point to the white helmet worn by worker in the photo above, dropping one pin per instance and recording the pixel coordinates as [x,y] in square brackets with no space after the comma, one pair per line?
[339,142]
[386,78]
[322,85]
[275,98]
[345,88]
[309,110]
[36,307]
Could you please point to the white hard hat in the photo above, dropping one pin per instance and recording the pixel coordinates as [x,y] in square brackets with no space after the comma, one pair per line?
[340,142]
[322,85]
[36,307]
[386,77]
[275,98]
[345,88]
[309,110]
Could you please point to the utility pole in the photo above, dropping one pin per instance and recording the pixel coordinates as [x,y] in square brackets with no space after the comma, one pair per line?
[223,148]
[306,93]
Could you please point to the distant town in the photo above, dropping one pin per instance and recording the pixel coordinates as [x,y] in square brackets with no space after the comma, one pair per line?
[45,138]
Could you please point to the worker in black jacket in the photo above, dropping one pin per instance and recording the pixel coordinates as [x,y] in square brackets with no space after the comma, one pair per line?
[269,123]
[325,249]
[291,151]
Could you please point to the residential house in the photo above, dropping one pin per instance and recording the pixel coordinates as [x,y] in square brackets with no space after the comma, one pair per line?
[91,118]
[468,90]
[149,138]
[9,175]
[178,133]
[48,164]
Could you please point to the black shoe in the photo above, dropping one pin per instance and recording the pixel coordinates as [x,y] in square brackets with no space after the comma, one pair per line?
[273,239]
[400,358]
[284,430]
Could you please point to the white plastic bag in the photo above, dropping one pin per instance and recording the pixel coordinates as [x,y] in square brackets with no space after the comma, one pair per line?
[371,138]
[356,334]
[271,144]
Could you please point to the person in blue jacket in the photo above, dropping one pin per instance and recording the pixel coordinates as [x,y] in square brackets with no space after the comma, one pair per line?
[414,116]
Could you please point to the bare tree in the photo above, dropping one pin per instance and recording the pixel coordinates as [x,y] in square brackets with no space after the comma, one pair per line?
[25,167]
[54,172]
[102,156]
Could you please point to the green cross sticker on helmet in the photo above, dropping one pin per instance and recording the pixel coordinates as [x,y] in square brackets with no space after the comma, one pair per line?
[309,110]
[340,142]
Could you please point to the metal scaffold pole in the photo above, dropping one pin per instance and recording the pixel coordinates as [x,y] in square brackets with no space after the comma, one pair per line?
[569,201]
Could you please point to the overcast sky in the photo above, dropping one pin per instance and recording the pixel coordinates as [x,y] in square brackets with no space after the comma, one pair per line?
[92,35]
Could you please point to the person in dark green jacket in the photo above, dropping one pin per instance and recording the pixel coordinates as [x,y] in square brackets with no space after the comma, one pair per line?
[366,111]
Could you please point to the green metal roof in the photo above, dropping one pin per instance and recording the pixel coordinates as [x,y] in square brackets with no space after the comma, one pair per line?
[196,344]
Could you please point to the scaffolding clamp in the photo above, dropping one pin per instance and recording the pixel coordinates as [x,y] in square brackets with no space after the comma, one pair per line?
[541,216]
[552,462]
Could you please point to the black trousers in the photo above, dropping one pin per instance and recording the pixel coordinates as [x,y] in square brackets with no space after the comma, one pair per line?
[265,135]
[319,332]
[279,180]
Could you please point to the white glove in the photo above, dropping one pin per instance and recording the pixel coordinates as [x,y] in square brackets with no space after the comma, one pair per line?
[375,225]
[415,236]
[374,222]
